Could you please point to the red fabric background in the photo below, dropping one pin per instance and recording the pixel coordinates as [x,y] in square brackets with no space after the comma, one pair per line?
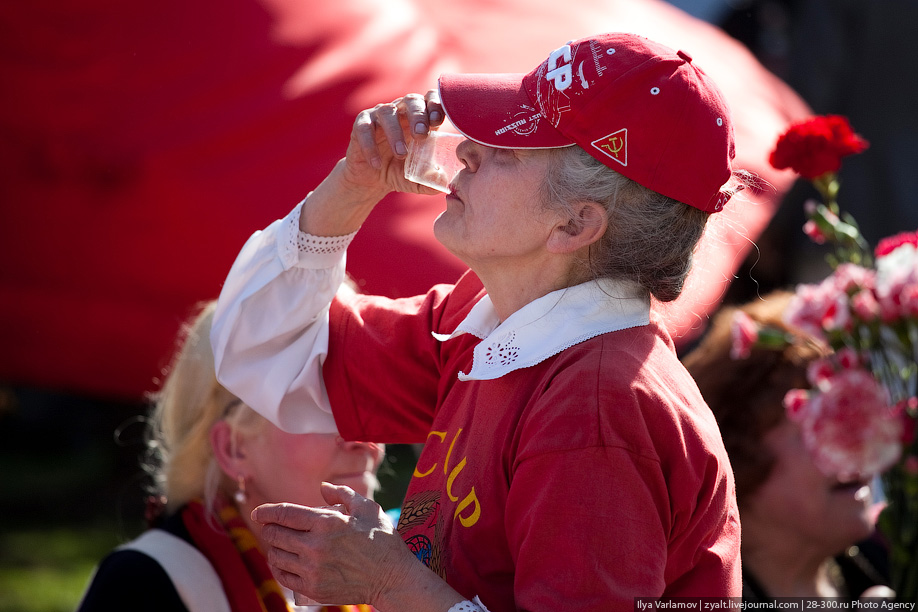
[141,143]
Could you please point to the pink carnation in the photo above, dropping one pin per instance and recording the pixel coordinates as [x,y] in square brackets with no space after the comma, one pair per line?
[890,244]
[744,331]
[897,282]
[795,403]
[847,358]
[816,309]
[890,307]
[908,299]
[865,305]
[819,372]
[850,278]
[849,428]
[805,310]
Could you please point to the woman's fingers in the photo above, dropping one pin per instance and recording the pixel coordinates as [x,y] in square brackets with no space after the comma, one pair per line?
[435,112]
[297,570]
[349,502]
[402,119]
[365,136]
[290,561]
[416,114]
[293,516]
[388,119]
[408,116]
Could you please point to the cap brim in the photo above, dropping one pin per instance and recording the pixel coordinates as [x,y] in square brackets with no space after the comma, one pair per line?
[494,110]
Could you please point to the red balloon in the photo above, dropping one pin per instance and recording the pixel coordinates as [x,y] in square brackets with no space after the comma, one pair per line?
[141,144]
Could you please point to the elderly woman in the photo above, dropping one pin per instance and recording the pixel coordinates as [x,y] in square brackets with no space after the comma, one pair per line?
[569,460]
[214,460]
[799,524]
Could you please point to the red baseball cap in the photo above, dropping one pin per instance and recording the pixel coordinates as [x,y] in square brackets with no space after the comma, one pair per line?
[637,106]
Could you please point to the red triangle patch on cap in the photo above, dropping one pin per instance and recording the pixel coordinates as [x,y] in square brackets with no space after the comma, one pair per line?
[615,145]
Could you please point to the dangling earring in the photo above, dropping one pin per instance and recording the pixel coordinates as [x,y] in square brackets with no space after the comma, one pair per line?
[240,496]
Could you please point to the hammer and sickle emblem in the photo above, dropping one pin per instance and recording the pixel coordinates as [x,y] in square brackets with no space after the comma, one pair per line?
[614,145]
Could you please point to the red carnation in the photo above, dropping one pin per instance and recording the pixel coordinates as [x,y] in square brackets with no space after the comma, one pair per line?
[816,146]
[890,244]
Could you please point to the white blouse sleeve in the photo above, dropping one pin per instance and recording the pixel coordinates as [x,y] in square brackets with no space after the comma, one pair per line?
[270,329]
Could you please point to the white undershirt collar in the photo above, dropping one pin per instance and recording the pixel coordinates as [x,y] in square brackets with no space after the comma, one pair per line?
[548,325]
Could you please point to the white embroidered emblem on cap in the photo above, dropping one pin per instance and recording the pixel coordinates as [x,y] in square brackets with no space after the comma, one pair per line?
[583,82]
[562,75]
[523,123]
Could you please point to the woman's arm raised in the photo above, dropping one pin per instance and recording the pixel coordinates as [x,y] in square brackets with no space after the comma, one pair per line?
[270,332]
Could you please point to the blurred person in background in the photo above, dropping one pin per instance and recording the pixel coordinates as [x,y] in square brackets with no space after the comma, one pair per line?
[214,459]
[801,528]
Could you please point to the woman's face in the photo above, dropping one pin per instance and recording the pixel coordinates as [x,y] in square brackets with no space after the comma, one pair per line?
[494,213]
[285,467]
[800,502]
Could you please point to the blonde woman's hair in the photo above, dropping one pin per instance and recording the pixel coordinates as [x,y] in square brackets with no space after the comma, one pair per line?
[180,458]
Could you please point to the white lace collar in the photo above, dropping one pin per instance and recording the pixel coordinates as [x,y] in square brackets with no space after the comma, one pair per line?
[548,325]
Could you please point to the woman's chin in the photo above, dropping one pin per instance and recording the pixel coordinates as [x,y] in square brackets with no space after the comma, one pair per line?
[363,483]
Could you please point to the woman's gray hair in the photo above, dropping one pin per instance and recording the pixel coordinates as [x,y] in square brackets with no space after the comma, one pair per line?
[650,238]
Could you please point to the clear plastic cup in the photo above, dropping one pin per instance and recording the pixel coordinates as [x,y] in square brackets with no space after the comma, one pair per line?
[432,161]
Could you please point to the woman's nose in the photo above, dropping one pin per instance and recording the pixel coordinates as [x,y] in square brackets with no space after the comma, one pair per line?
[372,447]
[469,153]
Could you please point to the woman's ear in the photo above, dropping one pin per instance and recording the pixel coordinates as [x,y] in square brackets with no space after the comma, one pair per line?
[587,226]
[227,449]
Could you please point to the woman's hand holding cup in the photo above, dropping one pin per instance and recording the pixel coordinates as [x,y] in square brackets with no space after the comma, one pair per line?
[381,137]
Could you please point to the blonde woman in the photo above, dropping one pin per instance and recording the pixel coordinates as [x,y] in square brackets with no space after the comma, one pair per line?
[214,460]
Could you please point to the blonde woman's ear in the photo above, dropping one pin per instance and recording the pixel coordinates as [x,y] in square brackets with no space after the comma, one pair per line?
[225,446]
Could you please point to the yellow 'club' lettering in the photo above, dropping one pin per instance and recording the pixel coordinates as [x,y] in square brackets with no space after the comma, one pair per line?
[470,500]
[468,521]
[452,477]
[450,451]
[417,472]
